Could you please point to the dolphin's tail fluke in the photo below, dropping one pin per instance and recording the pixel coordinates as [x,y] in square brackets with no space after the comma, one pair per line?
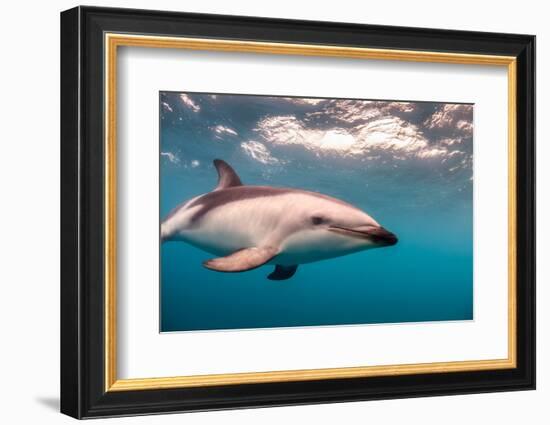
[164,234]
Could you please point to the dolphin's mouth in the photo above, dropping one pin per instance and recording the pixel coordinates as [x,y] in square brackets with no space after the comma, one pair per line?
[378,235]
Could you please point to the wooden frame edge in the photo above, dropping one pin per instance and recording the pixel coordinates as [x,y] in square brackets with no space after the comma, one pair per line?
[306,375]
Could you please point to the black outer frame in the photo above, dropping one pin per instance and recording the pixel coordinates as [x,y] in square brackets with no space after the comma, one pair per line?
[82,206]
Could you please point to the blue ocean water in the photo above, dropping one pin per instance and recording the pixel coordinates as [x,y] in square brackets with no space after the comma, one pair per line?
[407,164]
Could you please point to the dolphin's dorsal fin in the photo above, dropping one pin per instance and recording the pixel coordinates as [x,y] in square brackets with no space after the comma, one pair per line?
[227,177]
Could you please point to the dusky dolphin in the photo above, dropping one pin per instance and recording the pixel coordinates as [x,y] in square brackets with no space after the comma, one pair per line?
[249,226]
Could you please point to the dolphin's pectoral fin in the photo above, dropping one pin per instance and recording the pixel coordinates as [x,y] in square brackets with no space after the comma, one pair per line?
[282,272]
[227,177]
[242,260]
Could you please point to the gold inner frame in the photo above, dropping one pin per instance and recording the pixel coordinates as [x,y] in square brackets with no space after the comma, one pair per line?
[113,41]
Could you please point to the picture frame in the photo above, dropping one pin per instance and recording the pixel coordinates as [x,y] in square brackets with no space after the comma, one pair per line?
[91,38]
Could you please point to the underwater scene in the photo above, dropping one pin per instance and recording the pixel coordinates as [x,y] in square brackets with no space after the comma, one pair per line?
[287,211]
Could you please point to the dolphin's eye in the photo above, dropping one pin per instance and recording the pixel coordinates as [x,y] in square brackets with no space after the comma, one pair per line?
[316,220]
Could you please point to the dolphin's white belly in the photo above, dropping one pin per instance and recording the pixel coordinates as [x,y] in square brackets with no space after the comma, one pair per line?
[235,226]
[220,237]
[307,247]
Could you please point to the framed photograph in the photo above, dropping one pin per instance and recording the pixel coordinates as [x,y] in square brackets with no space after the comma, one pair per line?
[261,212]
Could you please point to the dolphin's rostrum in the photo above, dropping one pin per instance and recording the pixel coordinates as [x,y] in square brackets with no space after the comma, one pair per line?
[249,226]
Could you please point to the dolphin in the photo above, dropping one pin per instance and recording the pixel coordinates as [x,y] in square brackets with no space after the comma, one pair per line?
[246,227]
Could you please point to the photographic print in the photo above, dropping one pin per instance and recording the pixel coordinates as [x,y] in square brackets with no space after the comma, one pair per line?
[298,211]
